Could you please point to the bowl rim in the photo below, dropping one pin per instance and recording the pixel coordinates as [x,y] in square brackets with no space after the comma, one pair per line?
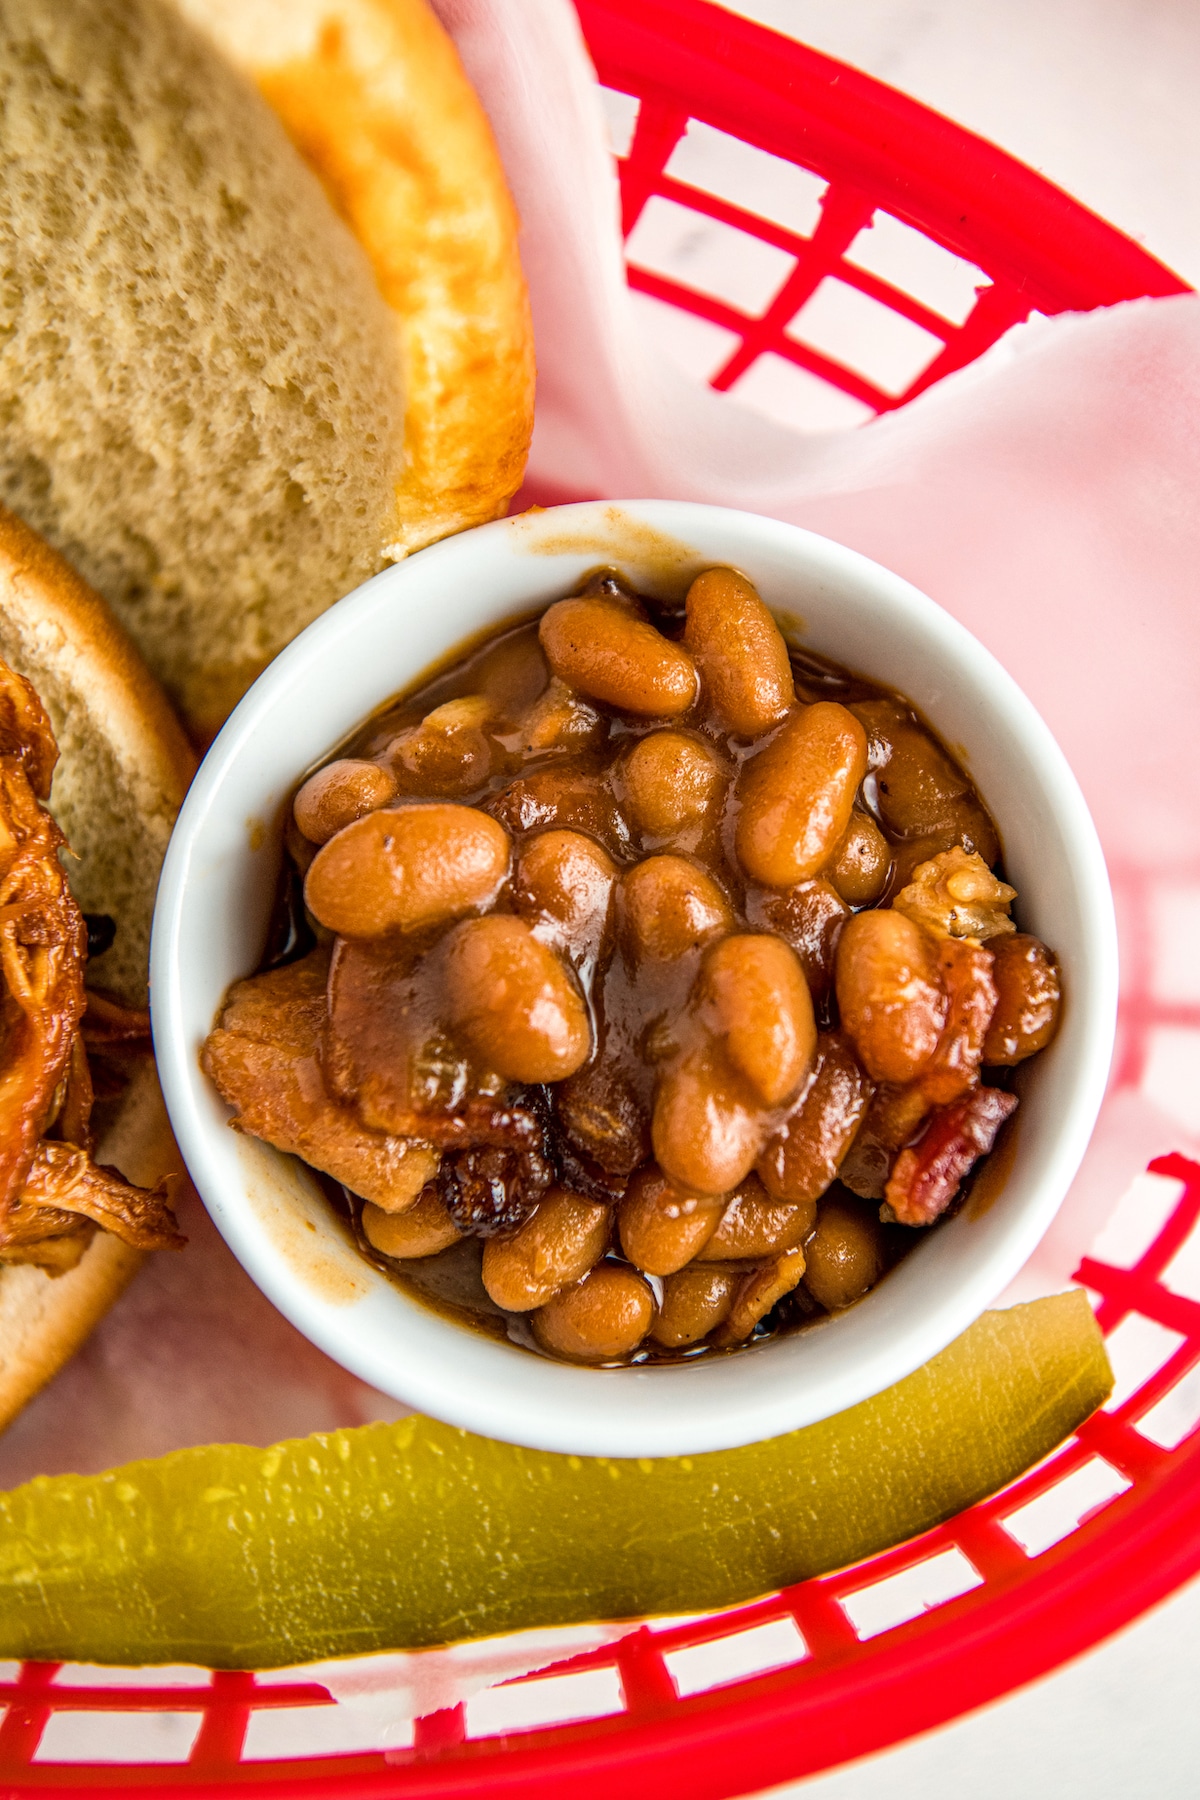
[547,1405]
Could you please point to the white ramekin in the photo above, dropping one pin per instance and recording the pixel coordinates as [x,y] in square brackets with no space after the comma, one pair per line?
[216,893]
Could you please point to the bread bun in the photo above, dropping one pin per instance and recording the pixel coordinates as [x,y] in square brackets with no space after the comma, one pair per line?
[123,768]
[220,405]
[374,97]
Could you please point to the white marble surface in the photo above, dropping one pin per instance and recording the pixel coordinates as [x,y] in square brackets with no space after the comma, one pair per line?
[1100,96]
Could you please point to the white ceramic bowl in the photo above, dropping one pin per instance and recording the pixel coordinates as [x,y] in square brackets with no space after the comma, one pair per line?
[216,893]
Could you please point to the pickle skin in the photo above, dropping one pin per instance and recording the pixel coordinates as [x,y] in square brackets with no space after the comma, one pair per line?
[414,1534]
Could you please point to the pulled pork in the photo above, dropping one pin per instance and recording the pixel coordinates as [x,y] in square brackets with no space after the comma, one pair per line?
[52,1196]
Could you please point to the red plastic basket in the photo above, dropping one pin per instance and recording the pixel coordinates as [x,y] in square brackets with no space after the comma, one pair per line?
[840,1666]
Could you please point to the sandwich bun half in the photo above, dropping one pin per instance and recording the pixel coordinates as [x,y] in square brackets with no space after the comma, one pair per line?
[124,766]
[263,327]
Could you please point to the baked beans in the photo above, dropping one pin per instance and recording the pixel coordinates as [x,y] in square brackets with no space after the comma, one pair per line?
[676,964]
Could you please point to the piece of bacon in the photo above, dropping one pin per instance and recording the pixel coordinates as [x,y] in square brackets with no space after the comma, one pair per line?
[966,972]
[926,1176]
[265,1058]
[46,1236]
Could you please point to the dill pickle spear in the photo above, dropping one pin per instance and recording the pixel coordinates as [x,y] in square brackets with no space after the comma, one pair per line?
[395,1536]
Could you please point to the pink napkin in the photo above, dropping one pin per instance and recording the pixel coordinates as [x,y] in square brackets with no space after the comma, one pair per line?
[1049,497]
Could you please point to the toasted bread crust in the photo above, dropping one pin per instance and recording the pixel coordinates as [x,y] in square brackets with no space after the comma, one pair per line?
[44,1320]
[374,97]
[41,594]
[124,763]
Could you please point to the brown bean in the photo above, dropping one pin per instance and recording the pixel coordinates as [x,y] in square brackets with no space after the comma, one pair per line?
[918,783]
[754,1225]
[907,858]
[706,1129]
[803,1157]
[673,786]
[559,1244]
[610,654]
[921,792]
[606,1316]
[894,1115]
[745,674]
[661,1226]
[557,720]
[423,1230]
[796,795]
[568,795]
[514,1001]
[669,906]
[1029,995]
[845,1254]
[758,1002]
[862,861]
[448,752]
[809,917]
[511,671]
[567,880]
[891,999]
[695,1301]
[340,793]
[881,719]
[407,867]
[758,1294]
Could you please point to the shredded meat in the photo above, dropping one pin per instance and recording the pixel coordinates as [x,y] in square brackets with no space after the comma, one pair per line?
[52,1195]
[265,1058]
[46,1236]
[43,939]
[108,1020]
[64,1179]
[926,1176]
[71,1119]
[25,731]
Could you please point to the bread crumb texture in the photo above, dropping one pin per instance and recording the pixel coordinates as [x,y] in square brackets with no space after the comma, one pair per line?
[200,395]
[374,97]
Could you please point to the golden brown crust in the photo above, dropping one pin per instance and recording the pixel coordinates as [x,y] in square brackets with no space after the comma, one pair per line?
[43,596]
[374,97]
[124,763]
[44,1319]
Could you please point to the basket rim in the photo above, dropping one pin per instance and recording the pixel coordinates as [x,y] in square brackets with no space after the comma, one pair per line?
[807,107]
